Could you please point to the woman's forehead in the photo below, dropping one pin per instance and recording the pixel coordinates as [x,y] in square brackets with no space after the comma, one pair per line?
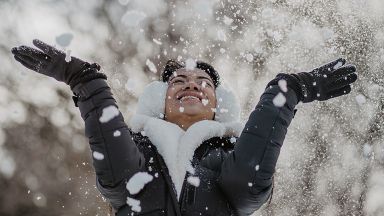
[190,73]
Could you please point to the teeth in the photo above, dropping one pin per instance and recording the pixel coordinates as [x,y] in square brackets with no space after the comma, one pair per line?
[189,97]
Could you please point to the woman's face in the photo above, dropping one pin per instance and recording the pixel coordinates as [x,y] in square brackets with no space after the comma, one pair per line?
[191,94]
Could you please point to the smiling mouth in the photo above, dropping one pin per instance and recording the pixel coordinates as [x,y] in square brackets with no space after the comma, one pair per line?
[189,97]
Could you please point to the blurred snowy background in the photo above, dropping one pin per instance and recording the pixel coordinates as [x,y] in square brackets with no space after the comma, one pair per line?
[332,160]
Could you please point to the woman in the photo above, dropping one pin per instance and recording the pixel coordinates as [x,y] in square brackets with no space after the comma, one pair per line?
[185,153]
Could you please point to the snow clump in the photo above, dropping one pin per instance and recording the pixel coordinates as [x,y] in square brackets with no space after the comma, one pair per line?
[116,133]
[283,85]
[193,180]
[108,114]
[338,65]
[134,203]
[204,84]
[98,155]
[205,102]
[279,100]
[138,181]
[190,64]
[68,56]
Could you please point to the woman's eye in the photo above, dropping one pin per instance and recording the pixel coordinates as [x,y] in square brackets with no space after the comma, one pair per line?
[205,84]
[178,81]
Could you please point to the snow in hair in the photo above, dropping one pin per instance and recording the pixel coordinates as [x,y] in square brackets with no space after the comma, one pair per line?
[152,102]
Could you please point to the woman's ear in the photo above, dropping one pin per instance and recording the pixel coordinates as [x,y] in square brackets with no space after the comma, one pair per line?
[152,101]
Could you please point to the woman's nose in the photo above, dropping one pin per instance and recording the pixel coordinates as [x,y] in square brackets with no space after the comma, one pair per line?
[192,85]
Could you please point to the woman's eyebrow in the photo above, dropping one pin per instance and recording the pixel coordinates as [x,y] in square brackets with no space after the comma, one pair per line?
[181,75]
[185,77]
[203,77]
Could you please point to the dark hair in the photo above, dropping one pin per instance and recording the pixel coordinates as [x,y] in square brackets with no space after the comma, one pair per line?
[171,66]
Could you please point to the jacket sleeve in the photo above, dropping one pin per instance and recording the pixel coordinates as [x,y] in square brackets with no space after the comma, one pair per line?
[115,158]
[246,174]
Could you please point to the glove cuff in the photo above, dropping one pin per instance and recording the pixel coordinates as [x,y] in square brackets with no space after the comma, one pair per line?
[292,82]
[307,86]
[83,91]
[87,78]
[90,72]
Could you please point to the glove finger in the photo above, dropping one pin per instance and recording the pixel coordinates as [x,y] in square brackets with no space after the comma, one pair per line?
[32,53]
[14,51]
[48,49]
[333,65]
[339,92]
[342,82]
[26,63]
[343,71]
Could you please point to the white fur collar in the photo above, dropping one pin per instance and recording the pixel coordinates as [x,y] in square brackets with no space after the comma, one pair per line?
[177,146]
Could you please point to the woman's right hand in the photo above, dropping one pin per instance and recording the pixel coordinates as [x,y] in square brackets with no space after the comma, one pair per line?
[50,61]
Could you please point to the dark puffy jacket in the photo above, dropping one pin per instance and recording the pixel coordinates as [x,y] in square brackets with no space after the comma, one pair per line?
[235,179]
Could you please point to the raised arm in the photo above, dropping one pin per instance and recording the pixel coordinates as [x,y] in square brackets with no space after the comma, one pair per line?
[115,155]
[246,174]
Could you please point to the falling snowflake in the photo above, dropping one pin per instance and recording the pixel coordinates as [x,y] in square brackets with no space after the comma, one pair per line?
[133,18]
[221,35]
[157,41]
[227,20]
[249,57]
[360,99]
[205,102]
[151,66]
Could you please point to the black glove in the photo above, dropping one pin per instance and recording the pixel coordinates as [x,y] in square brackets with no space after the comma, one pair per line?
[51,62]
[328,81]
